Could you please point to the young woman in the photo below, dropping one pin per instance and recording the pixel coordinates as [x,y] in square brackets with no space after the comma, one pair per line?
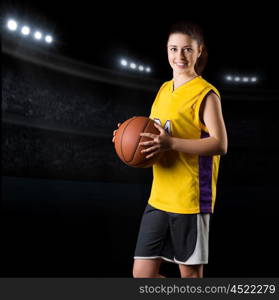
[187,112]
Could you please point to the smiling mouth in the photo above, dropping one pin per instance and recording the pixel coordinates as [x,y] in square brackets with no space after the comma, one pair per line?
[181,64]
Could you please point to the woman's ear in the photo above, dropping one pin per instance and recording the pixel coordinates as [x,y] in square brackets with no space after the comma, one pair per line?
[200,50]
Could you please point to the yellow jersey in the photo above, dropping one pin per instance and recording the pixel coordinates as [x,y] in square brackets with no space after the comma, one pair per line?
[183,183]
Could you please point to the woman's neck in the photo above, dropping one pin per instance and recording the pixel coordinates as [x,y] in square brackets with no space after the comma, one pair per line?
[180,79]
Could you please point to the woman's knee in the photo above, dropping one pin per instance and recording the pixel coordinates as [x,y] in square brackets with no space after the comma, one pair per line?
[194,271]
[146,268]
[142,274]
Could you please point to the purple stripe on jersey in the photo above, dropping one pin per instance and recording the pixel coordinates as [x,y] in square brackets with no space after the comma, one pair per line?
[205,180]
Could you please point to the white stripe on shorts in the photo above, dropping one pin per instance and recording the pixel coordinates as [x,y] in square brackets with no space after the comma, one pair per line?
[153,257]
[200,254]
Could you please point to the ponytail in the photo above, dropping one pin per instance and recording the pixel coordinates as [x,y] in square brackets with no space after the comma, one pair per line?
[201,61]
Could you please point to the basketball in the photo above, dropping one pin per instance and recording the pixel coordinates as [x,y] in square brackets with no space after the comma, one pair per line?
[127,139]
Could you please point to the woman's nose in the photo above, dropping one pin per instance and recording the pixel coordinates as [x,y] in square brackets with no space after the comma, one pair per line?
[181,54]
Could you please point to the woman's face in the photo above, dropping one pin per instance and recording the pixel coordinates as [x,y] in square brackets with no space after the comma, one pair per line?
[183,52]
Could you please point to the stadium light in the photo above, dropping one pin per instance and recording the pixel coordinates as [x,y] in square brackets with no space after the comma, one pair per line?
[124,62]
[25,30]
[241,79]
[12,25]
[48,39]
[133,66]
[37,35]
[229,78]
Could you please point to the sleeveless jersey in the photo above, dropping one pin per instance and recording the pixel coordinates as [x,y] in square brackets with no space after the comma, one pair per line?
[183,183]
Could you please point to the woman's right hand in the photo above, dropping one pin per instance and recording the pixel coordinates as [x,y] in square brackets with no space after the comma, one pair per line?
[114,132]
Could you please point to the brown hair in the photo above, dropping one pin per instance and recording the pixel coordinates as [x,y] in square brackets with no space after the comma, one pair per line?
[195,32]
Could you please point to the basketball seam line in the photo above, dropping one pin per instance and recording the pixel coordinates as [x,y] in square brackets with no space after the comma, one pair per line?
[137,143]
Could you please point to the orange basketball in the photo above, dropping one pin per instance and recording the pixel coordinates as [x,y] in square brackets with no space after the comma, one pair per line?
[127,139]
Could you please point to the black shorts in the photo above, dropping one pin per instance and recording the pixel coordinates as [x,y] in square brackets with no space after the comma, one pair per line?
[178,238]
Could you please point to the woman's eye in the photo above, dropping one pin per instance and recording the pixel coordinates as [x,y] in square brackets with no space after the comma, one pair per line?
[173,49]
[188,49]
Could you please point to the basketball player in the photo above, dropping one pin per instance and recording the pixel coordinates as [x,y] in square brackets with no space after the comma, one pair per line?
[187,111]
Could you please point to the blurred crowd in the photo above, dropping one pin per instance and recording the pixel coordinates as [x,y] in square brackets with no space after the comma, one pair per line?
[45,99]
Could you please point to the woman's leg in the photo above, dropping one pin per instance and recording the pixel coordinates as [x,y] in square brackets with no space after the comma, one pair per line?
[151,239]
[191,271]
[147,268]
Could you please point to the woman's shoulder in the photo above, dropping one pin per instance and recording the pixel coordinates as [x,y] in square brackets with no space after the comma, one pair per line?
[165,86]
[206,84]
[166,83]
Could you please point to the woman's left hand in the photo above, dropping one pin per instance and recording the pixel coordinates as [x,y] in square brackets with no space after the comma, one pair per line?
[159,143]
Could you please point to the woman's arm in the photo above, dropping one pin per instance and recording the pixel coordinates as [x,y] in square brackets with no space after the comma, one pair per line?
[217,142]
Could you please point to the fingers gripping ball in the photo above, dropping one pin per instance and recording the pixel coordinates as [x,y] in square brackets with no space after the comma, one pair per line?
[127,139]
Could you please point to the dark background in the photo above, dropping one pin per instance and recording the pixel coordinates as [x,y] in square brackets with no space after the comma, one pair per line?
[241,38]
[69,206]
